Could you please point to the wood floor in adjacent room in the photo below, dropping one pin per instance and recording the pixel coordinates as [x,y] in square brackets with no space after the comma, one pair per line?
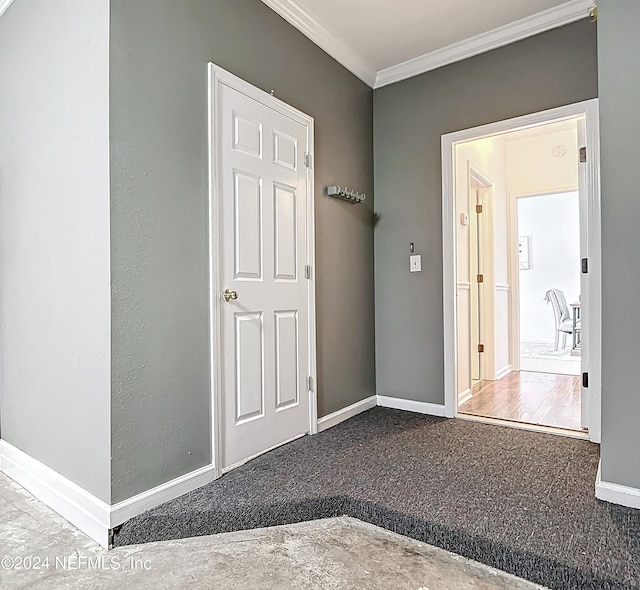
[534,398]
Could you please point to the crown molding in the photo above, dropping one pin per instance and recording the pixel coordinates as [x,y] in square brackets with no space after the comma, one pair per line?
[521,29]
[4,4]
[337,48]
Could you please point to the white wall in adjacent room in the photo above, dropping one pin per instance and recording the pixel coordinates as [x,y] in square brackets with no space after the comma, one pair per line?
[553,223]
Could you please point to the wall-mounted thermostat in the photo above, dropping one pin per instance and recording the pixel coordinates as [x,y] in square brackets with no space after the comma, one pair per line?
[415,263]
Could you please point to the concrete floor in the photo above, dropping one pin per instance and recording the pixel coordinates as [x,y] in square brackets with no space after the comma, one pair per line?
[336,553]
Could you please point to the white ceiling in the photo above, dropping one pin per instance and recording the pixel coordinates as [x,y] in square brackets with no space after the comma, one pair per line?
[374,37]
[387,33]
[548,129]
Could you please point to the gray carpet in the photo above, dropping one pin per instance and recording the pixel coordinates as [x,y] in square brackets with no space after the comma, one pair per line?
[519,501]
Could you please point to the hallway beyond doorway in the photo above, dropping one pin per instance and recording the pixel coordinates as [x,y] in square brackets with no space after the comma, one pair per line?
[542,399]
[528,148]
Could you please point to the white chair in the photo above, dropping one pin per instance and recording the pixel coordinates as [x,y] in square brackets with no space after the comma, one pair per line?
[561,315]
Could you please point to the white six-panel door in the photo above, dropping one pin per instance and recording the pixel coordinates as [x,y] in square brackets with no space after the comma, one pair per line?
[263,288]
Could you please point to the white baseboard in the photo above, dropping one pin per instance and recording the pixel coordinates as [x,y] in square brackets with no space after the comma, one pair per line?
[411,406]
[503,372]
[464,396]
[346,413]
[82,509]
[616,493]
[79,507]
[123,511]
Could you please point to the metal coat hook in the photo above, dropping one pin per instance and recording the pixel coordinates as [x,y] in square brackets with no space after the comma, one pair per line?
[345,194]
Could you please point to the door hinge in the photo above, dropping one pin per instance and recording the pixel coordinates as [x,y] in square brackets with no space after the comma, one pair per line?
[583,155]
[480,278]
[310,384]
[308,160]
[585,380]
[307,271]
[478,208]
[480,347]
[585,266]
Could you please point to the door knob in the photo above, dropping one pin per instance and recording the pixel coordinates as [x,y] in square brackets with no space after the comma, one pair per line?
[230,295]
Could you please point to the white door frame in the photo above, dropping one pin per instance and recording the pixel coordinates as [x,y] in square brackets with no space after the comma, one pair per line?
[593,299]
[486,309]
[217,78]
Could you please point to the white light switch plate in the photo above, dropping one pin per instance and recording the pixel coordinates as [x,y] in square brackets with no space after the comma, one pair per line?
[415,263]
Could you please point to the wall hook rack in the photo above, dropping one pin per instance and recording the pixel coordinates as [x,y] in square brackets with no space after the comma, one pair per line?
[345,194]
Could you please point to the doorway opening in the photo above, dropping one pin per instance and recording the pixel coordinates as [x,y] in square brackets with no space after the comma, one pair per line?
[549,254]
[521,225]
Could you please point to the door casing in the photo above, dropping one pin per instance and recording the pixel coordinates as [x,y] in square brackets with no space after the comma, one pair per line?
[218,77]
[484,311]
[593,301]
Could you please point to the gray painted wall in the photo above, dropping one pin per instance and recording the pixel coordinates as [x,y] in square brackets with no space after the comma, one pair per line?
[160,369]
[54,236]
[549,70]
[619,46]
